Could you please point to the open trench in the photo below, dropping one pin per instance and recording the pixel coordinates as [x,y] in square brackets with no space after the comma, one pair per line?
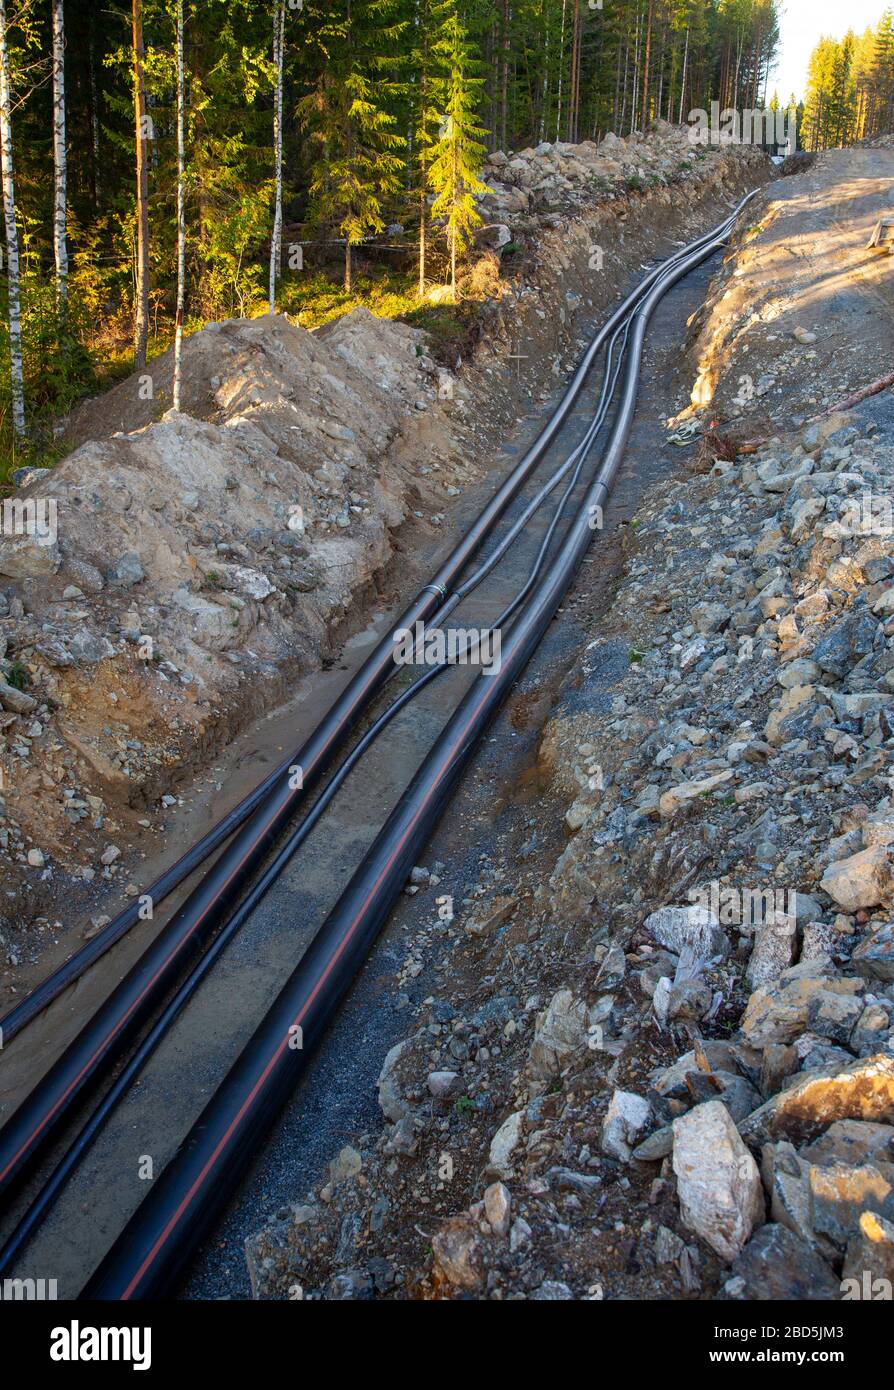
[498,808]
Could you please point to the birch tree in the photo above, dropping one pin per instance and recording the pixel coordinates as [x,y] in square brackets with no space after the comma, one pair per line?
[60,162]
[17,380]
[181,208]
[279,21]
[141,121]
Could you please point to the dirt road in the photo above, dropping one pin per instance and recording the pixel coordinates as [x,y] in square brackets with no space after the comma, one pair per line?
[805,313]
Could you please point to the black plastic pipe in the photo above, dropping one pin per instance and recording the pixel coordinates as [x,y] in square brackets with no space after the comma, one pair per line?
[180,1208]
[45,1199]
[132,1002]
[343,714]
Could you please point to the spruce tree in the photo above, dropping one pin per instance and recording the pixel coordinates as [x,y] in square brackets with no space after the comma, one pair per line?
[458,154]
[428,71]
[358,163]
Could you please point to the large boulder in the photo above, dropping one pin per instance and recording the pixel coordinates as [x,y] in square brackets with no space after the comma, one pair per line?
[718,1183]
[692,926]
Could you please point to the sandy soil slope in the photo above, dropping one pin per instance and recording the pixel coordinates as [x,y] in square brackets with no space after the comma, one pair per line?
[805,314]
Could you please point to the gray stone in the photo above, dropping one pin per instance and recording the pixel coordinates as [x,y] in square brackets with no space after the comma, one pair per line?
[559,1034]
[441,1083]
[777,1013]
[497,1208]
[862,880]
[693,925]
[393,1104]
[17,701]
[775,942]
[689,999]
[852,1141]
[862,1090]
[869,1260]
[626,1120]
[839,1193]
[846,643]
[457,1252]
[345,1166]
[126,571]
[834,1016]
[504,1144]
[873,958]
[656,1147]
[777,1266]
[87,647]
[552,1291]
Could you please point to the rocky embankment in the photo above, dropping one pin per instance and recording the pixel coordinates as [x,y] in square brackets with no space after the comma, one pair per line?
[664,1068]
[669,1069]
[184,569]
[539,188]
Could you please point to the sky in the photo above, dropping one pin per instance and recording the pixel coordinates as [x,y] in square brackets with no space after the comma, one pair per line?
[803,23]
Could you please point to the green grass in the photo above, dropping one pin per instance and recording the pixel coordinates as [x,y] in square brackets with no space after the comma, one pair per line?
[57,379]
[17,676]
[315,300]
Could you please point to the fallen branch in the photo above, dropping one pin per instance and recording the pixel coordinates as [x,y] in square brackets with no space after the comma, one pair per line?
[858,396]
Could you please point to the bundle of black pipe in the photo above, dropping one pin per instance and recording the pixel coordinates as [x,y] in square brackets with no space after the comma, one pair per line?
[315,754]
[131,1004]
[183,1203]
[48,1194]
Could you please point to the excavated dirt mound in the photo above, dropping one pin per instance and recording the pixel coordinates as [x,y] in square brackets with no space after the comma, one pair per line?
[189,563]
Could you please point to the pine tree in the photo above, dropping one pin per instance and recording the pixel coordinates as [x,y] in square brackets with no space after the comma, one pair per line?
[142,129]
[229,182]
[181,208]
[459,153]
[279,20]
[883,74]
[429,78]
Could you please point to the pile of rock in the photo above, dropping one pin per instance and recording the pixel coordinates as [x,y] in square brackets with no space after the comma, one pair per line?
[172,572]
[664,1092]
[540,186]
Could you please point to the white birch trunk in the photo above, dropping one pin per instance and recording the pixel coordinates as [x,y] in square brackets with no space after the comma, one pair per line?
[60,162]
[181,208]
[17,382]
[279,21]
[683,82]
[561,71]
